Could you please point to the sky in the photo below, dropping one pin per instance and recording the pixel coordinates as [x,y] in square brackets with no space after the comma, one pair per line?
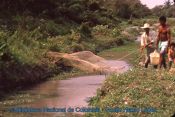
[153,3]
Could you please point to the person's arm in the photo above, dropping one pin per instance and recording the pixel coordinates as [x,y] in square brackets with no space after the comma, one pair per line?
[142,43]
[169,54]
[145,42]
[169,37]
[151,40]
[158,39]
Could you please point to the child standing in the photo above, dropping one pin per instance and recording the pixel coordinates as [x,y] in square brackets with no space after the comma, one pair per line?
[171,54]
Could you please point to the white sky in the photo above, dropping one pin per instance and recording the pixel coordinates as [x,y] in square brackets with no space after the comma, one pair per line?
[153,3]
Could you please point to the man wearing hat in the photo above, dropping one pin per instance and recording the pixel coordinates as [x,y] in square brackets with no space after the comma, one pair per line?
[147,42]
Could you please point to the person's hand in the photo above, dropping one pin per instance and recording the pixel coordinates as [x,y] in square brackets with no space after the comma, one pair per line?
[145,46]
[141,49]
[150,45]
[167,50]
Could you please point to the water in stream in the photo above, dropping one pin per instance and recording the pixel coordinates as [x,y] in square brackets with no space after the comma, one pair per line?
[73,92]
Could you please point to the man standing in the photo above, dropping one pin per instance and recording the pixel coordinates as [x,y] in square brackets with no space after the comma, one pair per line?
[163,40]
[147,42]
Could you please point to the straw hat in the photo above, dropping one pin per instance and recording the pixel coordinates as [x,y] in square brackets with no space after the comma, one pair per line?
[146,25]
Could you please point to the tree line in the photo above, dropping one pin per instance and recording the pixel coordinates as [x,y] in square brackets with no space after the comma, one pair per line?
[167,9]
[71,8]
[55,8]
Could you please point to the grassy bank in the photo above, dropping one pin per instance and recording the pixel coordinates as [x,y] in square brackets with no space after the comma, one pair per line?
[139,88]
[128,52]
[23,59]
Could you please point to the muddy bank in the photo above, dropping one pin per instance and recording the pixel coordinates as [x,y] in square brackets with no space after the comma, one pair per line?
[17,76]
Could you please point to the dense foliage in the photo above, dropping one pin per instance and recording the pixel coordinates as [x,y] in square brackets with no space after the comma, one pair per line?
[31,28]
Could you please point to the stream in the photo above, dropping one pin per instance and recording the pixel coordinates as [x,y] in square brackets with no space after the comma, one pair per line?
[73,92]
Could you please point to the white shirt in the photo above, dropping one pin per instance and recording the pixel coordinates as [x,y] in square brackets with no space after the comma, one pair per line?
[145,39]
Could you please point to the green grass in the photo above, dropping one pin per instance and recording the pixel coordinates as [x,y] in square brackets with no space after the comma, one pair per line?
[139,88]
[120,53]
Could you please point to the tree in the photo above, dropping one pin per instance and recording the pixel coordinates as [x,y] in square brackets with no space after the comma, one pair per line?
[167,3]
[158,10]
[128,8]
[167,9]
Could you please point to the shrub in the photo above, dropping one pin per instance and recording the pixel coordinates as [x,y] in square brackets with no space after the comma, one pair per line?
[77,47]
[3,43]
[55,48]
[76,8]
[115,32]
[50,28]
[101,29]
[85,30]
[24,48]
[173,31]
